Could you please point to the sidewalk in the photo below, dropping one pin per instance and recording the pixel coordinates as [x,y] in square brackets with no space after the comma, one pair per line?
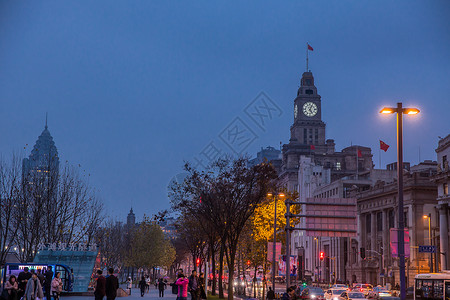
[135,295]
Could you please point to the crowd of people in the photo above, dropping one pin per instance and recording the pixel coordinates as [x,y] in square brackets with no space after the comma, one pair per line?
[33,284]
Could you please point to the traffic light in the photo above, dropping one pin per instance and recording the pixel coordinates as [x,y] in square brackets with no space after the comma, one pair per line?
[321,255]
[362,251]
[198,262]
[248,263]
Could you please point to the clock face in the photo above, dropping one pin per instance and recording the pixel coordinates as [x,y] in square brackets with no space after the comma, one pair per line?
[295,111]
[310,109]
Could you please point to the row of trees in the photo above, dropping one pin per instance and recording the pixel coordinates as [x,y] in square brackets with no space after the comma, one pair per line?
[225,214]
[143,247]
[44,206]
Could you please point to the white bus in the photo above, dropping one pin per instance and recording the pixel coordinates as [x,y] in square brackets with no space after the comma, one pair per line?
[432,286]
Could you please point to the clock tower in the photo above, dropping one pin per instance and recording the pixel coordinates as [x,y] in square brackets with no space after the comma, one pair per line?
[307,132]
[308,128]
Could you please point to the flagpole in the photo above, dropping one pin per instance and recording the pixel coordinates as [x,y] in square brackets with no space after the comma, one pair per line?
[307,61]
[379,154]
[356,162]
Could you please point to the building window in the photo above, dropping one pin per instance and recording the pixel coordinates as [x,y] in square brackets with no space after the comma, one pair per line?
[368,223]
[379,221]
[391,219]
[444,160]
[445,188]
[338,166]
[309,92]
[405,218]
[305,135]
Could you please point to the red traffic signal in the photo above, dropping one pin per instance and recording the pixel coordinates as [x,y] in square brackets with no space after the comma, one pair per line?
[248,263]
[198,261]
[321,255]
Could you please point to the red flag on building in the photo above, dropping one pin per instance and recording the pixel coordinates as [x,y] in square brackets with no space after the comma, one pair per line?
[312,147]
[384,146]
[359,153]
[310,48]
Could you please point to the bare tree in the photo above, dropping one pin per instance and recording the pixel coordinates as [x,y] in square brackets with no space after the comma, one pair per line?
[10,197]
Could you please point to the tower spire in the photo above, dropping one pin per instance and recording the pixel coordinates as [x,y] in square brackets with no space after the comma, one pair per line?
[46,117]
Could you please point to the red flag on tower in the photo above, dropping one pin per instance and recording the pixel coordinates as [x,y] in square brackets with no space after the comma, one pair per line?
[359,153]
[310,48]
[384,146]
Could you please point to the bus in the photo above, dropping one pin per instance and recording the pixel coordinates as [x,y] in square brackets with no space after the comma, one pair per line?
[15,268]
[432,286]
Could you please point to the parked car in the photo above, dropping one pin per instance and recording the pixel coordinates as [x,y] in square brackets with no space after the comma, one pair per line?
[333,294]
[363,288]
[352,296]
[378,292]
[311,292]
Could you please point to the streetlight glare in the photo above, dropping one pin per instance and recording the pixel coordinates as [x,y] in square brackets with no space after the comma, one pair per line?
[425,216]
[387,110]
[412,111]
[281,195]
[269,195]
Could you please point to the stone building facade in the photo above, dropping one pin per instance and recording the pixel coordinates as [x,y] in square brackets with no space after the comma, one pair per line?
[442,179]
[378,214]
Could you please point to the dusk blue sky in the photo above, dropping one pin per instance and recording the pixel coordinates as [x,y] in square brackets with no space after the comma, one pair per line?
[134,88]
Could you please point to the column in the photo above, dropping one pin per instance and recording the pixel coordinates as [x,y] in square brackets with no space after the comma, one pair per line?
[443,232]
[373,233]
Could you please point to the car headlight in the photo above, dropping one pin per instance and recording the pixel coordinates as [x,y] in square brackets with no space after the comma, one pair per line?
[313,296]
[235,283]
[242,283]
[335,298]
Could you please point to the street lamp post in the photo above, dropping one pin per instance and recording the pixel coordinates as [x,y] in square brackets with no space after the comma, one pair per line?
[274,248]
[431,241]
[400,110]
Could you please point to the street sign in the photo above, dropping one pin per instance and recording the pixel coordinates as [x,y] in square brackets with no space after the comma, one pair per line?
[427,249]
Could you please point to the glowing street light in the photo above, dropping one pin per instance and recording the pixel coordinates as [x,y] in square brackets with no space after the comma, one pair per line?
[429,237]
[400,110]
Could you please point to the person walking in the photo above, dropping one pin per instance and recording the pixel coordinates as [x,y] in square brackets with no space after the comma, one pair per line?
[182,283]
[161,287]
[270,294]
[112,284]
[22,281]
[193,285]
[143,286]
[40,277]
[12,287]
[100,286]
[129,285]
[33,290]
[57,286]
[201,284]
[48,278]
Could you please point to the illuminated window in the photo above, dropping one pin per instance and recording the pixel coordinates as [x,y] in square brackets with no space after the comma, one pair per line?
[445,188]
[338,166]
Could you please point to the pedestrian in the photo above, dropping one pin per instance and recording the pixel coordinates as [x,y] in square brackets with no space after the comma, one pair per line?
[270,294]
[148,282]
[143,286]
[201,284]
[22,281]
[289,295]
[129,285]
[161,287]
[12,288]
[57,286]
[33,290]
[100,286]
[112,284]
[48,277]
[40,277]
[193,285]
[182,283]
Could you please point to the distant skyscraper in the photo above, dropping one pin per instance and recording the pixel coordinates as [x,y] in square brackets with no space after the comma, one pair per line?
[42,166]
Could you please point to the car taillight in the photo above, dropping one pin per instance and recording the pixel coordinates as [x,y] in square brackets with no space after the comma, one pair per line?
[361,290]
